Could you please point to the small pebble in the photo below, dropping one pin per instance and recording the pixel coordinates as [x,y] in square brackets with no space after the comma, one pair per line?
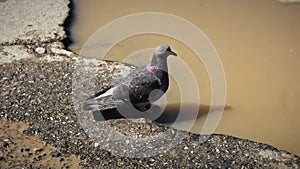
[40,50]
[37,149]
[29,131]
[96,144]
[55,154]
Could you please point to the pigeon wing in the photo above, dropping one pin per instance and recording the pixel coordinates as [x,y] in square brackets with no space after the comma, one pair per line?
[137,86]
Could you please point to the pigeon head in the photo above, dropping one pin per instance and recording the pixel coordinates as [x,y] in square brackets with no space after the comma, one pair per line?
[160,55]
[163,51]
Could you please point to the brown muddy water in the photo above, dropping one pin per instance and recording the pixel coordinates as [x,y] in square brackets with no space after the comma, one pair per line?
[259,46]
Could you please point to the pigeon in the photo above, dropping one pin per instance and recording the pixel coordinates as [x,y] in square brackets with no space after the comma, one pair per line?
[140,88]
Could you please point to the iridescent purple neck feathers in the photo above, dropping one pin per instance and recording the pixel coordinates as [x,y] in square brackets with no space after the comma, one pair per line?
[153,70]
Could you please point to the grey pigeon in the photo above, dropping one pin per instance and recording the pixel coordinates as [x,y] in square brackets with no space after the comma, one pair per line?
[140,88]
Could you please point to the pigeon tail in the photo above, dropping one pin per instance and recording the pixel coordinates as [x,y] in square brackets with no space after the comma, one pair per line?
[101,100]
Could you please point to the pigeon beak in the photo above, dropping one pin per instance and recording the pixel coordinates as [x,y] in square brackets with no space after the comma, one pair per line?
[173,53]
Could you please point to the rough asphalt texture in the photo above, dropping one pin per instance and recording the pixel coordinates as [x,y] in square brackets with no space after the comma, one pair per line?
[37,91]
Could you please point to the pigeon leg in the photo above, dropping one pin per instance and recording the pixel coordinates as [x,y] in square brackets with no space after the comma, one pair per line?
[149,109]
